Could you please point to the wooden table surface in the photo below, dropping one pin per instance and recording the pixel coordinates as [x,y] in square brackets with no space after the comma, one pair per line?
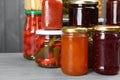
[14,67]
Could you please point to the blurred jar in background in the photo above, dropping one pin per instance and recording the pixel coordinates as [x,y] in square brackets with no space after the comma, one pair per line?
[33,23]
[113,12]
[83,13]
[52,14]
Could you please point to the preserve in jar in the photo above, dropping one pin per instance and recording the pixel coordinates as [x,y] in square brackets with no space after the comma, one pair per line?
[48,54]
[106,47]
[33,23]
[113,12]
[83,13]
[74,51]
[52,14]
[33,4]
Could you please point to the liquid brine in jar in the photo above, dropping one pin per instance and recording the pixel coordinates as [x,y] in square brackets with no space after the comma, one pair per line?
[106,47]
[48,54]
[33,23]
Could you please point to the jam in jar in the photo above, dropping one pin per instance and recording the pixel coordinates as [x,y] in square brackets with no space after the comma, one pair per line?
[48,54]
[113,12]
[106,47]
[52,14]
[33,23]
[74,52]
[83,13]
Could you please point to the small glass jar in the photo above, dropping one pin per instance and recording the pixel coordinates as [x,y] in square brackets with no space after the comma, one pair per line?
[83,13]
[33,4]
[52,14]
[106,47]
[33,23]
[74,52]
[113,12]
[48,54]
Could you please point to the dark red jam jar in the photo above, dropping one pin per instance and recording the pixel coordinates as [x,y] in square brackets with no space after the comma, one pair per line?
[113,12]
[106,48]
[83,13]
[33,23]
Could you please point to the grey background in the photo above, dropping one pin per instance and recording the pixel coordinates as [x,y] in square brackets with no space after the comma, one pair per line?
[12,21]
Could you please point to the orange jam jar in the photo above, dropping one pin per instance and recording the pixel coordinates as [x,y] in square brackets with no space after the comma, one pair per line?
[74,52]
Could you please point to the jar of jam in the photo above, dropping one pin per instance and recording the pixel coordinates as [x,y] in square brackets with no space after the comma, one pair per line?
[52,14]
[74,52]
[106,47]
[33,4]
[113,12]
[48,54]
[33,23]
[83,13]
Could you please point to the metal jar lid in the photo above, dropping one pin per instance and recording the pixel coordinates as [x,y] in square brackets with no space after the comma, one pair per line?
[84,2]
[106,28]
[74,29]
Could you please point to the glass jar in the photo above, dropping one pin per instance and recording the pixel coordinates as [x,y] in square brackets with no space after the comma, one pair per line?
[33,4]
[52,14]
[113,12]
[48,54]
[33,23]
[74,52]
[83,13]
[106,47]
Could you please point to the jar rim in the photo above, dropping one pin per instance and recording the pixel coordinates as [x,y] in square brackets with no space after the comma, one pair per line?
[84,2]
[74,29]
[48,32]
[33,12]
[106,28]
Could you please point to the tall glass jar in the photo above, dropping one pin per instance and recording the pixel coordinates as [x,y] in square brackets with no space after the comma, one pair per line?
[33,23]
[106,47]
[48,54]
[52,14]
[74,52]
[113,12]
[83,13]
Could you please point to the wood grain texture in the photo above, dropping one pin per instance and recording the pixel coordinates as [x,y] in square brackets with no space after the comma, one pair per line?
[14,67]
[11,25]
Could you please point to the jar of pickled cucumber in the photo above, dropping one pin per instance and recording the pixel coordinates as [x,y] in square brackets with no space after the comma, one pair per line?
[48,54]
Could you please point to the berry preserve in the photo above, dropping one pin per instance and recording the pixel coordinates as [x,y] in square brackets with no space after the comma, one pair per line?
[106,47]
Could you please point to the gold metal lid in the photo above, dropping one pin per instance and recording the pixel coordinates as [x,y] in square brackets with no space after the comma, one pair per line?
[106,28]
[84,2]
[74,29]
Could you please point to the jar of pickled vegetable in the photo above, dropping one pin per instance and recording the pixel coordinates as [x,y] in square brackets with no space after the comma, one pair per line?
[106,47]
[48,54]
[33,23]
[74,52]
[52,14]
[113,12]
[83,13]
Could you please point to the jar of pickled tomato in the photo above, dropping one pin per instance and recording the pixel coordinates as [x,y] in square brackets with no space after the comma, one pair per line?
[106,47]
[33,23]
[83,13]
[52,14]
[113,12]
[74,51]
[48,54]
